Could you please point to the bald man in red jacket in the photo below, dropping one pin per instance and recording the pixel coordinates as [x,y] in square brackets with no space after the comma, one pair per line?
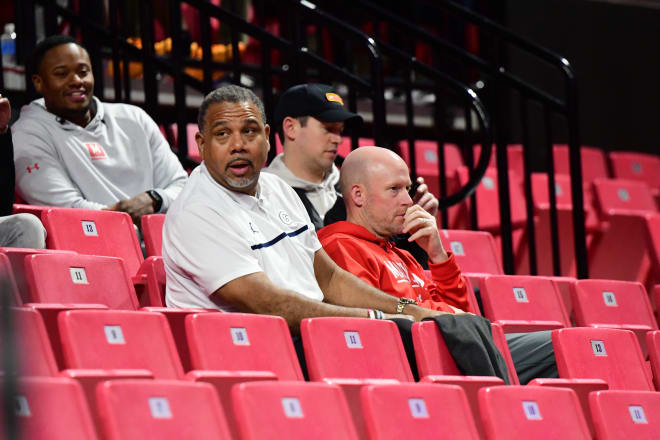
[374,183]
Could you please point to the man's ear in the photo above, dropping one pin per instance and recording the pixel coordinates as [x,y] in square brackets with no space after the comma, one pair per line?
[267,133]
[357,194]
[37,83]
[199,138]
[290,128]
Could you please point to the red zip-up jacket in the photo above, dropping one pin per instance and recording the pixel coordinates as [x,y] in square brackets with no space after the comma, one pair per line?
[379,263]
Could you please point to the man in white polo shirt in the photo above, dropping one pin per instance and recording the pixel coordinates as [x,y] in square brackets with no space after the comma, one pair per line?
[237,239]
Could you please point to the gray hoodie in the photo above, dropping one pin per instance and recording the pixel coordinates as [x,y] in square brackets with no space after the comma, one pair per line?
[119,154]
[322,195]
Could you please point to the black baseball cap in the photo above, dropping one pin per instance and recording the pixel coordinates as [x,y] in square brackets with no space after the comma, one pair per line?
[317,100]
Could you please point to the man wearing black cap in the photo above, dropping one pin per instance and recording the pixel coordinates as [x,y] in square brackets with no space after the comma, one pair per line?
[310,119]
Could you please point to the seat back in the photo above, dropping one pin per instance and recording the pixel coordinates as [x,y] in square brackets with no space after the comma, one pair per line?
[615,195]
[77,278]
[434,358]
[52,408]
[152,294]
[488,211]
[242,341]
[653,344]
[292,410]
[598,353]
[415,410]
[610,303]
[140,409]
[354,348]
[523,303]
[8,283]
[118,339]
[636,166]
[626,414]
[514,157]
[531,412]
[152,233]
[35,356]
[426,161]
[594,164]
[474,251]
[93,232]
[16,258]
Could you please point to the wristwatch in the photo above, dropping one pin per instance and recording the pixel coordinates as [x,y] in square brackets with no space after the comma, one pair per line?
[158,200]
[403,302]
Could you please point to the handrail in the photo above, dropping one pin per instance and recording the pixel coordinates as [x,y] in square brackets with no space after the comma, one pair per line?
[567,107]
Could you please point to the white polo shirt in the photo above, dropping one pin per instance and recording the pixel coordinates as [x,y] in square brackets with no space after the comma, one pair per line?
[213,235]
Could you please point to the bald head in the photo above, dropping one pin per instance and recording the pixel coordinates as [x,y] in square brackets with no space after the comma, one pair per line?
[361,164]
[374,182]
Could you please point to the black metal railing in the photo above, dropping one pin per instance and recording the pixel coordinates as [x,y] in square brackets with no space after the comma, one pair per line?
[106,36]
[503,87]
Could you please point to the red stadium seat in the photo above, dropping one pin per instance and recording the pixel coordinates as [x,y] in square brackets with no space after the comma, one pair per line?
[242,342]
[92,232]
[426,162]
[118,339]
[488,211]
[139,409]
[581,387]
[637,166]
[292,410]
[64,278]
[354,348]
[52,408]
[527,412]
[653,240]
[176,318]
[151,292]
[594,164]
[609,354]
[614,304]
[653,344]
[17,259]
[471,386]
[434,359]
[543,235]
[419,411]
[623,206]
[19,208]
[49,313]
[613,195]
[523,303]
[8,283]
[514,158]
[626,414]
[475,253]
[35,353]
[152,233]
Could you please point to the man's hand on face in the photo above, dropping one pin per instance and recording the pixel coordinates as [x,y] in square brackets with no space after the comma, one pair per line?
[136,207]
[423,229]
[425,199]
[5,114]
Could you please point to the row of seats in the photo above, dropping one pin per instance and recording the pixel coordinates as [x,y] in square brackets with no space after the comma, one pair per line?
[518,303]
[226,349]
[55,408]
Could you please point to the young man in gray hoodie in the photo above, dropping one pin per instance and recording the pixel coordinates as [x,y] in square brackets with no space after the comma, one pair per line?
[310,119]
[72,150]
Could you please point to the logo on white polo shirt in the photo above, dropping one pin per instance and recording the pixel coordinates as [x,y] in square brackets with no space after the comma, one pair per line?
[253,228]
[284,217]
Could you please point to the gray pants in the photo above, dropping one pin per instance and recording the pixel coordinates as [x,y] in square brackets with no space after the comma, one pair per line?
[22,231]
[533,355]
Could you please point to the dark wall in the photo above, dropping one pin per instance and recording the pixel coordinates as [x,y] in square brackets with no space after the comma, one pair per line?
[615,52]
